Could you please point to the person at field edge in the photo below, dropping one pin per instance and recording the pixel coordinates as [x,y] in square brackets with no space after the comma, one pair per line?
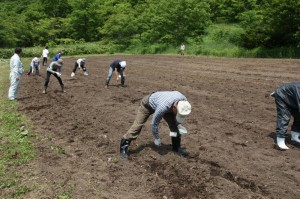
[16,71]
[287,99]
[182,48]
[34,65]
[45,55]
[54,69]
[80,63]
[172,106]
[57,56]
[118,65]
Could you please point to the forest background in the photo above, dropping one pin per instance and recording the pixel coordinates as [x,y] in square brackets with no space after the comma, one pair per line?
[232,28]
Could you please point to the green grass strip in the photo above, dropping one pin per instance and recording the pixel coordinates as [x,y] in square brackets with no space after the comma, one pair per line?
[15,147]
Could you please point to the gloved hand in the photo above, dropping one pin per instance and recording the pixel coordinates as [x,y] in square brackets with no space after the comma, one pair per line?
[58,74]
[182,130]
[157,142]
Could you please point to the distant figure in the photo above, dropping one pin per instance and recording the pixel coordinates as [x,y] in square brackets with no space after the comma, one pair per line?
[57,56]
[120,67]
[16,71]
[182,48]
[34,65]
[45,55]
[80,63]
[287,99]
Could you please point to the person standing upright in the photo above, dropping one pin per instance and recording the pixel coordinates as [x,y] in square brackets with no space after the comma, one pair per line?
[45,55]
[16,71]
[182,48]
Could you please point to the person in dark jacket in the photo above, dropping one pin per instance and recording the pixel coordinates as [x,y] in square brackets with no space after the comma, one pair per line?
[120,67]
[172,106]
[287,99]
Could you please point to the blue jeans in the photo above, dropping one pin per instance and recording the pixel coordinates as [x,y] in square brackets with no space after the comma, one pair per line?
[110,72]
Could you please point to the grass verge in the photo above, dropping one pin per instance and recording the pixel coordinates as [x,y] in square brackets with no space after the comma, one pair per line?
[15,147]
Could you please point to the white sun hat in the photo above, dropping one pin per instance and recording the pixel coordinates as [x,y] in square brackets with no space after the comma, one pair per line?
[123,64]
[184,108]
[36,59]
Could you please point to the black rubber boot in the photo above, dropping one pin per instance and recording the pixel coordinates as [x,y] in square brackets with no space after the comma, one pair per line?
[62,88]
[123,82]
[124,147]
[106,84]
[176,141]
[45,90]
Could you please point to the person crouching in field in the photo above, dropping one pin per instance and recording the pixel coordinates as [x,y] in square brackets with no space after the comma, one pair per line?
[120,67]
[287,99]
[80,63]
[34,65]
[172,106]
[118,76]
[54,69]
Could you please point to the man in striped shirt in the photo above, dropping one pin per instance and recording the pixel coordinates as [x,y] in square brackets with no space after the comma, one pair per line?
[170,105]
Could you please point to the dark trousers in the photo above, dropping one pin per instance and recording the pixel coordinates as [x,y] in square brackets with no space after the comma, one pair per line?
[48,79]
[44,61]
[76,66]
[37,71]
[284,113]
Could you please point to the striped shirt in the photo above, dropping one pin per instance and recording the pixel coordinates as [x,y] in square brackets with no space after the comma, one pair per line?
[161,102]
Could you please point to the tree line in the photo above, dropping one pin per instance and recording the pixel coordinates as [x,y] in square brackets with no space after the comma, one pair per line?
[265,23]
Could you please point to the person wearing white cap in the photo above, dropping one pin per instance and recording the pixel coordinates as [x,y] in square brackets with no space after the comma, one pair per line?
[80,63]
[45,55]
[172,106]
[54,69]
[35,64]
[287,99]
[16,71]
[118,65]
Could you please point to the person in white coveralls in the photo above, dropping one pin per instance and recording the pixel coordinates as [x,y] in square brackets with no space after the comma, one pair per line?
[16,71]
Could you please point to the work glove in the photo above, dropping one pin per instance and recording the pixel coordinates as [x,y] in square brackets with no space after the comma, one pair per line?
[182,130]
[58,74]
[157,142]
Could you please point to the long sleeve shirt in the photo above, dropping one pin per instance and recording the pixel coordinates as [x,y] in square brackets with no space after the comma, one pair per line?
[34,64]
[45,52]
[80,62]
[57,57]
[290,94]
[54,67]
[161,102]
[16,67]
[116,65]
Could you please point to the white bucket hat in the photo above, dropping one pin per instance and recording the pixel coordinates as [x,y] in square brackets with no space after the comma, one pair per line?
[36,59]
[184,108]
[123,64]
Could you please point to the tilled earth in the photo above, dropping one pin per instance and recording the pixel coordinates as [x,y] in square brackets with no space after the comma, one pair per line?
[230,139]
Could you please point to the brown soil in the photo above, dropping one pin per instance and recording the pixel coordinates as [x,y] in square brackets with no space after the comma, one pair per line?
[230,138]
